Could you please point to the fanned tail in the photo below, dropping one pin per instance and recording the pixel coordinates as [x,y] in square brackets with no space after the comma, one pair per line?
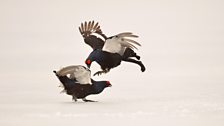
[67,70]
[128,42]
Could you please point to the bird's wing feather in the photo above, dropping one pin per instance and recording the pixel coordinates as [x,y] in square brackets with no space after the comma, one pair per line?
[120,42]
[78,72]
[92,34]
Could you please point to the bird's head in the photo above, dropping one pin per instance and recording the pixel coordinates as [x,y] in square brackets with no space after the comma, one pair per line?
[88,62]
[99,86]
[108,84]
[93,56]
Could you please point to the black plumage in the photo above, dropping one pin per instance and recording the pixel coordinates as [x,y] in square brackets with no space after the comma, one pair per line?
[86,30]
[80,91]
[105,59]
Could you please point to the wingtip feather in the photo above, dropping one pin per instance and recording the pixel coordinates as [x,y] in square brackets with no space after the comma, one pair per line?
[127,34]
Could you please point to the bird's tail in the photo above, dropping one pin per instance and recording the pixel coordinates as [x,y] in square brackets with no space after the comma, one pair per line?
[126,42]
[66,82]
[67,70]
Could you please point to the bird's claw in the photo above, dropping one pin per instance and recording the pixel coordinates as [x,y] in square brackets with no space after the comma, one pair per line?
[98,73]
[138,57]
[142,67]
[89,101]
[86,100]
[74,98]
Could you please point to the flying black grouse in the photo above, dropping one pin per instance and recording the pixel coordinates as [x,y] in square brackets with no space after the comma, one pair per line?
[108,52]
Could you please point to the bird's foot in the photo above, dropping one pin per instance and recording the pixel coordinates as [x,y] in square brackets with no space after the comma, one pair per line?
[142,67]
[98,73]
[86,100]
[74,98]
[138,57]
[101,72]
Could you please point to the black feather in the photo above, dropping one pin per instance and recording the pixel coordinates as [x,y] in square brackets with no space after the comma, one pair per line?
[109,60]
[89,31]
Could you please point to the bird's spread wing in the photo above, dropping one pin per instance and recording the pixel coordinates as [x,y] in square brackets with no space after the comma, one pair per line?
[119,42]
[92,34]
[78,72]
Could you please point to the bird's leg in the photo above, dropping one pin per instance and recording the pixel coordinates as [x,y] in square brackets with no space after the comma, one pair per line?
[130,53]
[74,98]
[137,56]
[136,62]
[101,72]
[133,54]
[85,100]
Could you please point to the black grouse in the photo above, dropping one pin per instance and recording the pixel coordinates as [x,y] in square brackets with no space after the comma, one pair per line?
[108,52]
[77,82]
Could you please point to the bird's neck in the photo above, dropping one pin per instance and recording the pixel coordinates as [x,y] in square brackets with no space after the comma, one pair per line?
[98,87]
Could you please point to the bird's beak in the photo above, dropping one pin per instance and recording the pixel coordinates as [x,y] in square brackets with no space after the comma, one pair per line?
[88,65]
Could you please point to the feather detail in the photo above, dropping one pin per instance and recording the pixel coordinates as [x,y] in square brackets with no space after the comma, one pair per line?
[98,28]
[67,70]
[131,41]
[85,28]
[92,34]
[126,34]
[127,44]
[79,73]
[82,28]
[89,25]
[94,28]
[119,43]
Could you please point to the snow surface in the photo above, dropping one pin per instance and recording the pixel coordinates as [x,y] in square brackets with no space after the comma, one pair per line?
[182,49]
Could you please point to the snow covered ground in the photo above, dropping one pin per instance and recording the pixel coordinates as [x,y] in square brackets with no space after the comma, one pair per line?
[136,105]
[182,49]
[144,100]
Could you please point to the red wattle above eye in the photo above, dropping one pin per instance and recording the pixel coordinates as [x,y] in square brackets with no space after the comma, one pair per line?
[88,61]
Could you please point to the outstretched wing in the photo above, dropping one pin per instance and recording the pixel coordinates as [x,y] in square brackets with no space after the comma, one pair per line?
[80,73]
[92,34]
[119,42]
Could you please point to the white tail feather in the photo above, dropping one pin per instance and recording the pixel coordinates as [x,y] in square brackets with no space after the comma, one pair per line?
[126,34]
[67,70]
[78,72]
[120,42]
[127,44]
[132,41]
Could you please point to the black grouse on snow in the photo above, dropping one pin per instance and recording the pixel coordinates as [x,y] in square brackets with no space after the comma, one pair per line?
[77,82]
[108,52]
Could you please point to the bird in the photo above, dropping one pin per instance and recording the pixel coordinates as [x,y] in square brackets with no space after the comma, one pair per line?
[77,82]
[108,52]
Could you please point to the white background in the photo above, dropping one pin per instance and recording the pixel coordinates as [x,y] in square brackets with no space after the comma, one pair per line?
[182,49]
